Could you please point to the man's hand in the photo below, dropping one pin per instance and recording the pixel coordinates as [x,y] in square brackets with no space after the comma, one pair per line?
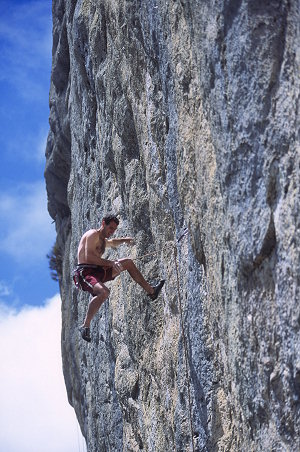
[129,241]
[117,267]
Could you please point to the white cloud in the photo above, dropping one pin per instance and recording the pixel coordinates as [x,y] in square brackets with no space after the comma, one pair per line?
[34,414]
[27,233]
[5,290]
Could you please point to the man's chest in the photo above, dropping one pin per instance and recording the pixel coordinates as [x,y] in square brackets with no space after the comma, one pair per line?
[100,246]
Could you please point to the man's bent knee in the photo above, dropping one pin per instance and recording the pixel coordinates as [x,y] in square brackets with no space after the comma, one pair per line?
[100,291]
[127,263]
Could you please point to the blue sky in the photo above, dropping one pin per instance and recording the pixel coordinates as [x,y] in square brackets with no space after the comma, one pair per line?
[26,231]
[34,412]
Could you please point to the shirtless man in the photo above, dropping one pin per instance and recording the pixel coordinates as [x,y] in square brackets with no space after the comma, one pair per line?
[93,271]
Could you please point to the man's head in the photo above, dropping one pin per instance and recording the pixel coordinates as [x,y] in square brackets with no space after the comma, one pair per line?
[108,218]
[109,225]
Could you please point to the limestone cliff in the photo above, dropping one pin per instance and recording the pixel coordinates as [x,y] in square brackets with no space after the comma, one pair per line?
[181,114]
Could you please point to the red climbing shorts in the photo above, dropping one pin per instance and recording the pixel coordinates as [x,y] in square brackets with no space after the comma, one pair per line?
[85,277]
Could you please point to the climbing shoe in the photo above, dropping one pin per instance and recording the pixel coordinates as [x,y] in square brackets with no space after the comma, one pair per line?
[157,290]
[85,333]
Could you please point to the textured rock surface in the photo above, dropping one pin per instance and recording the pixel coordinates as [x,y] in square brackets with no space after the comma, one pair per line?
[177,114]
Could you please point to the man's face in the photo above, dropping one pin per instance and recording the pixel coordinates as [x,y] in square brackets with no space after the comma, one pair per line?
[109,229]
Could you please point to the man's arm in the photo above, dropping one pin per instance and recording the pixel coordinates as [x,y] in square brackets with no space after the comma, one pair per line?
[113,243]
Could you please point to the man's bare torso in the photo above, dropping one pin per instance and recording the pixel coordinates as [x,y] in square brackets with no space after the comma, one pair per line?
[91,242]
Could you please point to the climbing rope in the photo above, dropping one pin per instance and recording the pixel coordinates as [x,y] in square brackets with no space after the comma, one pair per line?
[185,232]
[138,258]
[184,341]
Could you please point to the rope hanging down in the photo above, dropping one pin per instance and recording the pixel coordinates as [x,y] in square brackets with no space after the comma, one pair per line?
[185,232]
[155,252]
[184,341]
[138,258]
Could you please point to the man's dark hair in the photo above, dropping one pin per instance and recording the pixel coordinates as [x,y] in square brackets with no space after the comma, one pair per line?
[108,218]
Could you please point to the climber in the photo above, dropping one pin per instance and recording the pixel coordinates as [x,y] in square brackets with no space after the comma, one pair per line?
[93,271]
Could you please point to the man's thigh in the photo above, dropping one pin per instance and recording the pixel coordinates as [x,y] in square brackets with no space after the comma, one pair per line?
[121,267]
[100,289]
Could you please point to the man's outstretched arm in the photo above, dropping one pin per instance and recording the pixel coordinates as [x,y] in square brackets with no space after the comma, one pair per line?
[113,243]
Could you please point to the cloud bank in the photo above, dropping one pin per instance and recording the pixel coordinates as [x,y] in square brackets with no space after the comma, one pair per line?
[34,415]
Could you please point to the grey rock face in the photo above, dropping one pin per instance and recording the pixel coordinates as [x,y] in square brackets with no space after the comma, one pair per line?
[178,114]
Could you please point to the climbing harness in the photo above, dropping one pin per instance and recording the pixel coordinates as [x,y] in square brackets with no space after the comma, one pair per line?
[78,277]
[184,339]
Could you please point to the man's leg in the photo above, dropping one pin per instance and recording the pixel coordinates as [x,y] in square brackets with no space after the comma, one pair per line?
[101,293]
[129,265]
